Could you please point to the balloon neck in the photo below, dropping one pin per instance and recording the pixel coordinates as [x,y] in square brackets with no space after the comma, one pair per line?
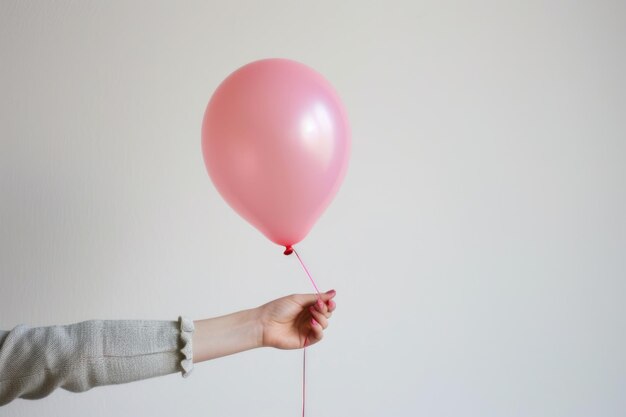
[288,250]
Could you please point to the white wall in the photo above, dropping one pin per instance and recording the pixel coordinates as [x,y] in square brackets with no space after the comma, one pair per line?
[477,245]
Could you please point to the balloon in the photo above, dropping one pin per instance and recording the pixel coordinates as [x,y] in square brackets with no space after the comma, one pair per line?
[276,143]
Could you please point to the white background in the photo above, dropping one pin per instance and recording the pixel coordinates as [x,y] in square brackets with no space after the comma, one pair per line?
[477,245]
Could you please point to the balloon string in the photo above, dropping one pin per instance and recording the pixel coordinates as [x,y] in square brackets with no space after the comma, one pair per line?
[304,376]
[306,339]
[308,273]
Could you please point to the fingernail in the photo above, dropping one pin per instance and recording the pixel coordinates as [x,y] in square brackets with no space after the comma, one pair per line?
[331,292]
[319,304]
[314,322]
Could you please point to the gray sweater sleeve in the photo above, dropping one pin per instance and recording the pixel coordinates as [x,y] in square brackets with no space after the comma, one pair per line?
[34,361]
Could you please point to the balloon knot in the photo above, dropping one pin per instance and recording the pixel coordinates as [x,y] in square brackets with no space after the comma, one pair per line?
[288,250]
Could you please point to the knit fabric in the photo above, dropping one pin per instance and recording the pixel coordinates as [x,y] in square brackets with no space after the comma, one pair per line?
[34,361]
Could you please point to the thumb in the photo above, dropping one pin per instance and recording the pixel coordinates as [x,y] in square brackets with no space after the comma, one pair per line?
[306,299]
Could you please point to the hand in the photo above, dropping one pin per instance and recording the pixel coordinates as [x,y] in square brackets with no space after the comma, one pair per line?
[290,322]
[296,321]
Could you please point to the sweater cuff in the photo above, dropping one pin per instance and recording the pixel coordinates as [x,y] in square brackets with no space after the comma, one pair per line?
[186,333]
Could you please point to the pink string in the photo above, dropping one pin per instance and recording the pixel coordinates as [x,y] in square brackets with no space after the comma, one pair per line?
[308,273]
[304,376]
[319,296]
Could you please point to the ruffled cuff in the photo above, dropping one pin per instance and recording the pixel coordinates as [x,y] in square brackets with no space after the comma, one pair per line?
[186,333]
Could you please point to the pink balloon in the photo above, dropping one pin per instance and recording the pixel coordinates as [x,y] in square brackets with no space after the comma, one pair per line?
[276,143]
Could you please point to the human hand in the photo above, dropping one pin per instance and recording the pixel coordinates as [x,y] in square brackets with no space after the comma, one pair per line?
[297,320]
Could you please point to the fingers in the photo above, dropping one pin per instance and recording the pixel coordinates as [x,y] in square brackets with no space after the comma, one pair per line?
[325,308]
[317,332]
[319,317]
[321,308]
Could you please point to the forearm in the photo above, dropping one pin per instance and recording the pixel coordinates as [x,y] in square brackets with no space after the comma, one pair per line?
[225,335]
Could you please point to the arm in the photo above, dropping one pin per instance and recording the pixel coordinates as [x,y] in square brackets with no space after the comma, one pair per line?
[34,361]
